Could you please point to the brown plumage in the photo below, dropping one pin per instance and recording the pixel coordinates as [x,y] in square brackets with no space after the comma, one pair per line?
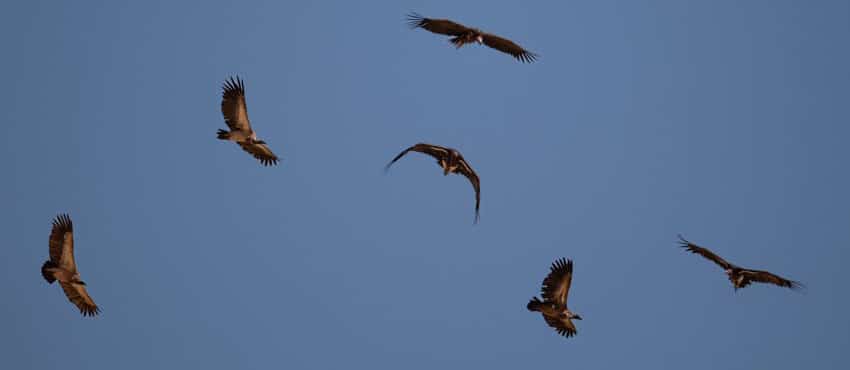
[739,276]
[555,291]
[451,161]
[235,112]
[61,266]
[462,35]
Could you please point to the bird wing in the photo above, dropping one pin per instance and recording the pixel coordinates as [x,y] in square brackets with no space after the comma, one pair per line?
[770,278]
[507,46]
[441,26]
[78,295]
[470,174]
[62,242]
[233,105]
[261,152]
[435,151]
[693,248]
[562,325]
[556,285]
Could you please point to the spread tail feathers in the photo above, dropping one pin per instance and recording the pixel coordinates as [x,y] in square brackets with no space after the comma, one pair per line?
[223,135]
[47,274]
[534,304]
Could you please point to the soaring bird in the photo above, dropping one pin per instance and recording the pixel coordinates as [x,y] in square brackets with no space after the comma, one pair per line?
[556,289]
[236,116]
[739,276]
[61,266]
[451,161]
[462,35]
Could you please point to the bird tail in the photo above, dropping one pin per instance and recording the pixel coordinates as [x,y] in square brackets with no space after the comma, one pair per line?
[47,274]
[223,135]
[534,304]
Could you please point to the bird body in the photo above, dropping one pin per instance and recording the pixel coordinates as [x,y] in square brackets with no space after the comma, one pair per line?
[62,267]
[451,161]
[555,291]
[739,277]
[235,112]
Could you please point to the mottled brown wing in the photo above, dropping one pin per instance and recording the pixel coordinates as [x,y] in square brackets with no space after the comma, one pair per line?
[61,238]
[563,326]
[470,174]
[78,295]
[261,152]
[233,105]
[441,26]
[436,151]
[556,285]
[693,248]
[770,278]
[507,46]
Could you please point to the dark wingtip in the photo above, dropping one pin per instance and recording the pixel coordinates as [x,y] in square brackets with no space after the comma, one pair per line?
[414,20]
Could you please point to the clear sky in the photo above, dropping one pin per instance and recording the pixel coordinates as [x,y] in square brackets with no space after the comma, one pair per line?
[726,121]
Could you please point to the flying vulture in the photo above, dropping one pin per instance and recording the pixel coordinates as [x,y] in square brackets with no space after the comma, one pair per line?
[451,161]
[739,276]
[556,289]
[462,35]
[61,266]
[236,116]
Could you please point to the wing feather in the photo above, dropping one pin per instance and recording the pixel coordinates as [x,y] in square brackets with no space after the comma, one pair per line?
[441,26]
[261,152]
[563,326]
[62,242]
[507,46]
[693,248]
[436,151]
[470,174]
[78,295]
[770,278]
[233,105]
[556,285]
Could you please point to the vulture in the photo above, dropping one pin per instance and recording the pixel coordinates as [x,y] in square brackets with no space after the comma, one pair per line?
[61,266]
[462,35]
[556,290]
[236,117]
[451,161]
[739,276]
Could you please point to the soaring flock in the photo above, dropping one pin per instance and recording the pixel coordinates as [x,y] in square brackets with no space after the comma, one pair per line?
[61,266]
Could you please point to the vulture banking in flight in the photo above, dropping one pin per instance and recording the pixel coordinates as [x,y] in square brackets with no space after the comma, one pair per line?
[61,266]
[451,161]
[462,35]
[739,276]
[236,116]
[556,290]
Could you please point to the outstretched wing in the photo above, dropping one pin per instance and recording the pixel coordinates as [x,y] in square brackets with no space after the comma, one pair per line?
[556,285]
[260,151]
[769,278]
[693,248]
[562,325]
[233,105]
[62,243]
[78,295]
[507,46]
[435,151]
[441,26]
[470,174]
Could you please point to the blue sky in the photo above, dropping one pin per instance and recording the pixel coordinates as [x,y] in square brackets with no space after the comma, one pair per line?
[725,121]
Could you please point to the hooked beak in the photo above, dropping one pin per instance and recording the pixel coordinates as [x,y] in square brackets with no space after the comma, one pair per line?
[577,317]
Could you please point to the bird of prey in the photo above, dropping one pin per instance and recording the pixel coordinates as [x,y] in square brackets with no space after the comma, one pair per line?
[61,266]
[462,35]
[739,276]
[451,161]
[236,116]
[556,290]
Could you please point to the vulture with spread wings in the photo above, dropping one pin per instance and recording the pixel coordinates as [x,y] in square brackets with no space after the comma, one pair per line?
[556,290]
[61,266]
[451,161]
[739,276]
[236,116]
[462,35]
